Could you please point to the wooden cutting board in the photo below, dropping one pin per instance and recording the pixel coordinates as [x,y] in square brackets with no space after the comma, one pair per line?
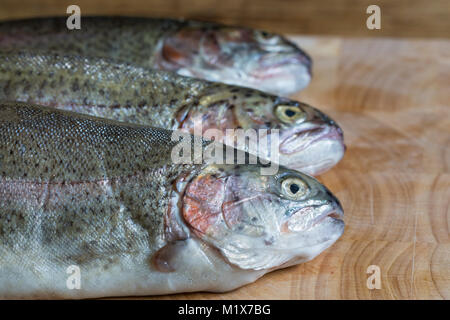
[392,99]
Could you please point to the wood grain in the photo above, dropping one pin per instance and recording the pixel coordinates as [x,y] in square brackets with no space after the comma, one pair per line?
[399,18]
[392,99]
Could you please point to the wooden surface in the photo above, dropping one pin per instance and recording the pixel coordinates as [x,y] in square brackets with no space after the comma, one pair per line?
[392,99]
[399,18]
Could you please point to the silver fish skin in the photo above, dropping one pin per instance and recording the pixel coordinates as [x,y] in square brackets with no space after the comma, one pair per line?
[107,198]
[229,54]
[308,140]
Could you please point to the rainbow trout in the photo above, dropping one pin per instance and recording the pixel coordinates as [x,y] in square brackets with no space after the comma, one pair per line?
[105,198]
[306,140]
[210,51]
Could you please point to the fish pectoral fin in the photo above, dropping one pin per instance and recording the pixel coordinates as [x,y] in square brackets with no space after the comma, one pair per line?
[253,259]
[165,259]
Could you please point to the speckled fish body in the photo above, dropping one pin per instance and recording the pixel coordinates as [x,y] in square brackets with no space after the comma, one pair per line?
[106,197]
[309,140]
[209,51]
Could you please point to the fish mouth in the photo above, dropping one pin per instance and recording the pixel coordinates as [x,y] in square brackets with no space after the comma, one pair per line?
[270,64]
[307,218]
[301,140]
[326,230]
[335,214]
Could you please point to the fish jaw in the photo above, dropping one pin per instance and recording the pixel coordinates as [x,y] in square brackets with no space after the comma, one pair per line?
[285,80]
[331,227]
[314,150]
[283,74]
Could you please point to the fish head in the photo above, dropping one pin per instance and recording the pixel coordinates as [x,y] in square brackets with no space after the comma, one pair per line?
[308,140]
[262,222]
[235,55]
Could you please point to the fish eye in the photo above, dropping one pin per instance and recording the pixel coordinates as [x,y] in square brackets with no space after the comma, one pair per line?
[265,37]
[294,188]
[290,114]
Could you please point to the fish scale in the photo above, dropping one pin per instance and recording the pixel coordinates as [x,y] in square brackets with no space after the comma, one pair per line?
[92,200]
[133,39]
[122,92]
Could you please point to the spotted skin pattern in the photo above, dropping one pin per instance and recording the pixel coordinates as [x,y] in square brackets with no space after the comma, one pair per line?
[210,51]
[133,94]
[107,197]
